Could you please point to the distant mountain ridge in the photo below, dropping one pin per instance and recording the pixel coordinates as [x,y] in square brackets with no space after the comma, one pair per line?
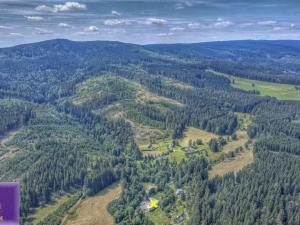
[43,66]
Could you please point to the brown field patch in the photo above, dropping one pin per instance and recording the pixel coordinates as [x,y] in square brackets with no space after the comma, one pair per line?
[143,134]
[195,133]
[145,96]
[240,142]
[178,84]
[232,165]
[93,210]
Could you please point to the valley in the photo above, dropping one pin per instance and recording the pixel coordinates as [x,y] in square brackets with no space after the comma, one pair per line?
[114,133]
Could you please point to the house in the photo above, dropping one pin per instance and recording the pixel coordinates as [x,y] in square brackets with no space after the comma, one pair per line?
[180,218]
[171,146]
[179,191]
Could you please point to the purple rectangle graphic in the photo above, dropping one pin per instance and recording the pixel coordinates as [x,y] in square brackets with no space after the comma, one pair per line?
[9,203]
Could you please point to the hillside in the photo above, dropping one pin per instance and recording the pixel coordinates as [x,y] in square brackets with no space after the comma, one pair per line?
[166,122]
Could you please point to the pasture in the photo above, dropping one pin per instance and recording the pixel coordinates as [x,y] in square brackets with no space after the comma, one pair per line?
[41,213]
[279,91]
[93,210]
[234,164]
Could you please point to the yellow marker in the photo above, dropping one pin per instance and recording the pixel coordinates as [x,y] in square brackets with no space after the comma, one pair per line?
[153,204]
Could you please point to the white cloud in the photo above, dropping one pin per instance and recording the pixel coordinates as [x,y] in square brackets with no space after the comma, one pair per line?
[4,27]
[116,22]
[267,22]
[34,18]
[44,8]
[165,34]
[179,6]
[177,29]
[194,25]
[156,21]
[15,35]
[69,6]
[43,31]
[92,29]
[115,13]
[277,28]
[222,24]
[63,25]
[247,24]
[292,25]
[184,4]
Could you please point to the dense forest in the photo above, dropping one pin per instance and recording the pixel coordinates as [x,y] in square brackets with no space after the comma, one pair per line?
[77,105]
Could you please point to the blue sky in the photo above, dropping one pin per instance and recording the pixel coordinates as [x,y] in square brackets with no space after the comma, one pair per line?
[145,21]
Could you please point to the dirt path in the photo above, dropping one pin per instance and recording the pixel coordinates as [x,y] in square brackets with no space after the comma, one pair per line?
[92,211]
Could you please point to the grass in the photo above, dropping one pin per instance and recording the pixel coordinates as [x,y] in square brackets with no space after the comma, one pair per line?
[245,120]
[177,84]
[177,154]
[279,91]
[232,165]
[158,217]
[41,213]
[193,134]
[93,210]
[232,145]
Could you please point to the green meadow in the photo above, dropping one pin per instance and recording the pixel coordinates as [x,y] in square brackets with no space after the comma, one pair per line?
[279,91]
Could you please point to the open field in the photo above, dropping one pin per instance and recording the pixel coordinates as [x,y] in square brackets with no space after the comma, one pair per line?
[93,211]
[279,91]
[158,217]
[41,213]
[232,145]
[177,84]
[177,154]
[232,165]
[194,134]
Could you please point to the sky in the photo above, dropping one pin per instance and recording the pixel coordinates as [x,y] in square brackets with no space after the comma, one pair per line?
[147,22]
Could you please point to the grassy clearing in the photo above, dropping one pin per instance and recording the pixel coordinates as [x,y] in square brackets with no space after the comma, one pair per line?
[8,151]
[232,165]
[177,154]
[143,134]
[116,97]
[93,210]
[241,141]
[158,217]
[194,134]
[279,91]
[41,213]
[244,119]
[177,84]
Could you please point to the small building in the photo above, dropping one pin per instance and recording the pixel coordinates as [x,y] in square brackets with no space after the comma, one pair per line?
[180,218]
[171,146]
[179,191]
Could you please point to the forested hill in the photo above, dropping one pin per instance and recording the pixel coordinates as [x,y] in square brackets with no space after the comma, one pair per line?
[38,69]
[79,116]
[275,61]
